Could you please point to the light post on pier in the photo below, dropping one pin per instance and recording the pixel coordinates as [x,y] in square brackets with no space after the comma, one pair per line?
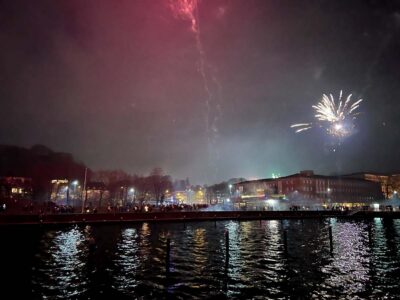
[73,192]
[67,191]
[328,192]
[132,194]
[84,191]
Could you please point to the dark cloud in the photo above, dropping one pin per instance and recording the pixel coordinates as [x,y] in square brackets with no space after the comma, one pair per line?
[116,83]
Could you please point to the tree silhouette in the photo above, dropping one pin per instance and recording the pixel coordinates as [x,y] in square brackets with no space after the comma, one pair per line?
[159,183]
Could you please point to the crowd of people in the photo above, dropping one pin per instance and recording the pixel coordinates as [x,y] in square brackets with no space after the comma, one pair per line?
[30,207]
[51,208]
[155,208]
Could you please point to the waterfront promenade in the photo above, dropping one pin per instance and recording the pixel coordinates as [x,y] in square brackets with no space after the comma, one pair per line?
[184,216]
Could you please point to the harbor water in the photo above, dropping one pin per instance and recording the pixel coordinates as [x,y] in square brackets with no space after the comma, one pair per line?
[116,261]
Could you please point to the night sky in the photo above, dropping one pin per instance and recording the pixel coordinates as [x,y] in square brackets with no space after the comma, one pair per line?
[118,84]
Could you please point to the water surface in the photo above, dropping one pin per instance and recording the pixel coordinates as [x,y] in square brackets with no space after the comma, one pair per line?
[128,261]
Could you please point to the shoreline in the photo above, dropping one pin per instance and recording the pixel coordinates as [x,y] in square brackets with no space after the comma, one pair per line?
[185,216]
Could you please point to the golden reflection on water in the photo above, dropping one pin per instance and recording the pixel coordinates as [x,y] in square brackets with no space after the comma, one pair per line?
[274,232]
[256,256]
[200,251]
[144,241]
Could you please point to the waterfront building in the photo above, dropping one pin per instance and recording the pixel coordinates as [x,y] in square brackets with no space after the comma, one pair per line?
[59,191]
[395,182]
[308,189]
[120,194]
[181,196]
[192,195]
[97,195]
[66,192]
[199,196]
[16,188]
[390,183]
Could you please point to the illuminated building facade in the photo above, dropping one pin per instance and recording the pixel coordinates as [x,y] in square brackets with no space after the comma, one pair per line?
[181,197]
[199,195]
[190,196]
[16,188]
[390,183]
[66,192]
[306,187]
[97,195]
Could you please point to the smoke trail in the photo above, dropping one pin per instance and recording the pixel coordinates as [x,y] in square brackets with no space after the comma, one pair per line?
[369,74]
[188,10]
[392,28]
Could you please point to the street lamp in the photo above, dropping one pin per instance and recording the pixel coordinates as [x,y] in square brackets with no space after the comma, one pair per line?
[83,197]
[67,194]
[73,196]
[328,190]
[189,196]
[132,192]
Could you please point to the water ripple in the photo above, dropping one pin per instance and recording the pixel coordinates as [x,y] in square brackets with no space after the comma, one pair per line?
[129,261]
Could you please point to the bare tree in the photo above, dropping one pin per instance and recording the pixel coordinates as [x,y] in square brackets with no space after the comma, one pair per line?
[159,183]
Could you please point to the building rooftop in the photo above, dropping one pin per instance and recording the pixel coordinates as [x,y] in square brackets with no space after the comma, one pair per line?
[309,174]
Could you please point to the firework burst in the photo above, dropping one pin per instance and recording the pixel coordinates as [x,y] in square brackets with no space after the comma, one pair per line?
[337,118]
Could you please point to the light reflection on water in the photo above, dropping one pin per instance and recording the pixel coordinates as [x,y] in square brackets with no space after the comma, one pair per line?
[257,260]
[348,270]
[129,261]
[60,264]
[385,257]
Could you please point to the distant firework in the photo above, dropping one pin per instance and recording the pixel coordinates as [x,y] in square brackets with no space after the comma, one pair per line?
[337,119]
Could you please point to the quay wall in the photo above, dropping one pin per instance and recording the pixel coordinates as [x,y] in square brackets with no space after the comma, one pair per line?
[185,216]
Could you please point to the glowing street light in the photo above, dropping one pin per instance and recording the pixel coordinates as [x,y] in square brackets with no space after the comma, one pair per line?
[71,191]
[132,193]
[189,196]
[328,192]
[84,191]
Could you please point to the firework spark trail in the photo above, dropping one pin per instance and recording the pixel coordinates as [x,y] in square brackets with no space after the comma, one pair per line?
[304,127]
[337,119]
[188,10]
